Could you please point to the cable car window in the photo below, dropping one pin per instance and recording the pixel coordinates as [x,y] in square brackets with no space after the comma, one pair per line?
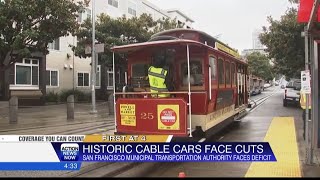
[221,72]
[213,66]
[233,74]
[139,75]
[196,73]
[228,73]
[140,70]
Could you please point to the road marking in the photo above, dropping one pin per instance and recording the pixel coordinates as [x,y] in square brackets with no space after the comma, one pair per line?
[261,101]
[169,138]
[221,138]
[202,140]
[282,138]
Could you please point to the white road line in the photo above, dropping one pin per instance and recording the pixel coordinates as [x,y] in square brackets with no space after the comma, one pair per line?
[169,138]
[220,138]
[262,102]
[202,140]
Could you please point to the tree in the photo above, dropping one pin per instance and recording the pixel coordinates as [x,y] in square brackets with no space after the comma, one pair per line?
[285,44]
[259,65]
[119,31]
[27,26]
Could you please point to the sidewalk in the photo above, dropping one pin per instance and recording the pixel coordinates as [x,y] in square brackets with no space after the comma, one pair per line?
[52,119]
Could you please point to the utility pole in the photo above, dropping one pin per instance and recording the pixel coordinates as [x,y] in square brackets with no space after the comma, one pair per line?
[93,61]
[309,157]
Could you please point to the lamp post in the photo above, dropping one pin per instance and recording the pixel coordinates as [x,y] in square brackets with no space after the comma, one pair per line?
[93,63]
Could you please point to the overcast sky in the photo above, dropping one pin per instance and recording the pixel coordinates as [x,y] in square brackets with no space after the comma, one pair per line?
[235,20]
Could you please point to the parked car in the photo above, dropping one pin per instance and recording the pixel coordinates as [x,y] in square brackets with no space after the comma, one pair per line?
[267,85]
[292,92]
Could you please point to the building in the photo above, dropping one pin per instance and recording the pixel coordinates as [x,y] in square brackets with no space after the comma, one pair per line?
[257,46]
[24,79]
[180,17]
[246,52]
[256,43]
[66,71]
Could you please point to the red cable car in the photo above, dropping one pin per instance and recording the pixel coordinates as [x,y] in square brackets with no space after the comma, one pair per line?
[210,86]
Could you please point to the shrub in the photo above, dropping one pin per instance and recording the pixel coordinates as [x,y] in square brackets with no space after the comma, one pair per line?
[78,95]
[52,97]
[84,97]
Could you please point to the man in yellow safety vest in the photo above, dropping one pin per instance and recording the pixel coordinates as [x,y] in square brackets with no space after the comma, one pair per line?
[303,105]
[159,78]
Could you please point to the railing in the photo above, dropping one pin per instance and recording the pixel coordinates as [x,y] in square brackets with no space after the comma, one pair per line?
[151,93]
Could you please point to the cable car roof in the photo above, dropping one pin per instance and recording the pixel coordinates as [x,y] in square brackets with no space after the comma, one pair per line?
[139,46]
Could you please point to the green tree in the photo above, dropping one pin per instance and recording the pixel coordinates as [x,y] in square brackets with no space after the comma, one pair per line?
[28,26]
[119,31]
[259,65]
[285,44]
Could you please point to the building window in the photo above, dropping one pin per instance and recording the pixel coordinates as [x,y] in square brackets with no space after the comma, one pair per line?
[221,72]
[83,79]
[85,14]
[98,76]
[55,45]
[109,79]
[113,3]
[212,61]
[27,72]
[52,78]
[132,8]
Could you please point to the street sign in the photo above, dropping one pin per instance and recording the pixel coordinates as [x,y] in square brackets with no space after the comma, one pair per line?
[305,81]
[99,48]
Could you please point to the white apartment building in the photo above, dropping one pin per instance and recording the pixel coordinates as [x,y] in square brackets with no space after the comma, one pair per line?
[181,18]
[246,52]
[66,71]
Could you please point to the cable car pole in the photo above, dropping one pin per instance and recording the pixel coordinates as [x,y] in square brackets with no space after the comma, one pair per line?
[189,91]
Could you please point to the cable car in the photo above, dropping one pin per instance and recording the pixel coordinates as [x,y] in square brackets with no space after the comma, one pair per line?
[210,86]
[256,85]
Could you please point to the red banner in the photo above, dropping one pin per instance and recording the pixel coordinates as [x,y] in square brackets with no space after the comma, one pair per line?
[304,12]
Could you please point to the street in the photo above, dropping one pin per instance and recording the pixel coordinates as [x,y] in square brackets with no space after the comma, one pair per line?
[253,128]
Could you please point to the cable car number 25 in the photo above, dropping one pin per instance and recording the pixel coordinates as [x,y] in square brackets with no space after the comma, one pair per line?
[147,116]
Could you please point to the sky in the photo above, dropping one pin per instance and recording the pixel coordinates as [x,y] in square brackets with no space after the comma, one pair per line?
[234,20]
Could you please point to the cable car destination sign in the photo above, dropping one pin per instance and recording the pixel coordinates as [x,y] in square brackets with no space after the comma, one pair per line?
[226,49]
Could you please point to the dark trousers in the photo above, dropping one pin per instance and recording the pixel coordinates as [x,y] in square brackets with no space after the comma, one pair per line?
[304,122]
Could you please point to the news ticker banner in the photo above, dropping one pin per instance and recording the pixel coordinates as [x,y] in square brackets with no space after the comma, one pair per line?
[67,152]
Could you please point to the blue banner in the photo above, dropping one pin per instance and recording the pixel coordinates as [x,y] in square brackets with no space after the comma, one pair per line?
[40,166]
[165,152]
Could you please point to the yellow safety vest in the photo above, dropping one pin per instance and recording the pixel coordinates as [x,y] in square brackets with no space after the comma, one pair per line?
[157,78]
[303,100]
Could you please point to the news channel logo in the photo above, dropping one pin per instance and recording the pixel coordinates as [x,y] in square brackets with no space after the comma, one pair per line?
[69,151]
